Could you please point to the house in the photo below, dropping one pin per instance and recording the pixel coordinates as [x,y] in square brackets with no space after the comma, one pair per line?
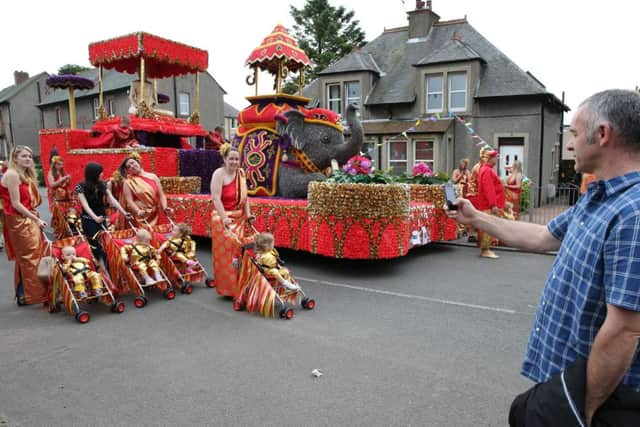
[419,87]
[20,119]
[230,121]
[179,92]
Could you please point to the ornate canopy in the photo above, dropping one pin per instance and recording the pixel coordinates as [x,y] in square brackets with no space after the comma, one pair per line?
[163,58]
[278,48]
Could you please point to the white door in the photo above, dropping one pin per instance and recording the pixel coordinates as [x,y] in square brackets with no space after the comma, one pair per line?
[508,154]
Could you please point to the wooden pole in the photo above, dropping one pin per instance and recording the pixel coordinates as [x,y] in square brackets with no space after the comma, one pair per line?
[142,80]
[100,86]
[196,106]
[72,109]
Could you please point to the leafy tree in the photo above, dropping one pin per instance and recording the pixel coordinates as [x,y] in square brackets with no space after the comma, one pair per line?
[72,69]
[325,33]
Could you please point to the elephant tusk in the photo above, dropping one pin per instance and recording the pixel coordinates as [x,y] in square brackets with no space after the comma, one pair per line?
[282,118]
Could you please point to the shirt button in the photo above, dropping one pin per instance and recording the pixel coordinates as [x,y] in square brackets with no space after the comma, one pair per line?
[581,222]
[537,329]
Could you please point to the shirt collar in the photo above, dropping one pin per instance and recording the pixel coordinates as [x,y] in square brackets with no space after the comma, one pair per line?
[614,185]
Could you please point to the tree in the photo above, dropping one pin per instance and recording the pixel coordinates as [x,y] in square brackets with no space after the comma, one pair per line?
[72,69]
[325,33]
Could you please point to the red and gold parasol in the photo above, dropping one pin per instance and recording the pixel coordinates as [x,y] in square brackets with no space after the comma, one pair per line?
[278,54]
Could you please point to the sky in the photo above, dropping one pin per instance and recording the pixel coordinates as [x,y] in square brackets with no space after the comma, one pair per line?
[576,46]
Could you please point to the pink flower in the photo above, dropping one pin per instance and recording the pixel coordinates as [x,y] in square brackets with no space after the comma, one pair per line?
[421,169]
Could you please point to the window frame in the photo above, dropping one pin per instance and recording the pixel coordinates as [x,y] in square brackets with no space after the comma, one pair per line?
[58,116]
[346,93]
[112,107]
[181,98]
[450,91]
[441,92]
[334,100]
[391,161]
[96,108]
[431,163]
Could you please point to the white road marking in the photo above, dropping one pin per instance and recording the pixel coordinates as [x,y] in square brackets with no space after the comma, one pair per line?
[408,296]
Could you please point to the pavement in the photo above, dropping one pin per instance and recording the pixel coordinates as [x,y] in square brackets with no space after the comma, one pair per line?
[435,338]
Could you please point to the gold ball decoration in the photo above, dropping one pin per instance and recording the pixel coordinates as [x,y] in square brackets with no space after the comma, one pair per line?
[358,201]
[429,193]
[181,184]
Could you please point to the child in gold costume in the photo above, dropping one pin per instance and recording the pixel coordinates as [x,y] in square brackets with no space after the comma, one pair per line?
[269,259]
[181,248]
[73,219]
[508,213]
[79,270]
[143,257]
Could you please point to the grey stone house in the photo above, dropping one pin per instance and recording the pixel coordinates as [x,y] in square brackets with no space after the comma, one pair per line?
[20,118]
[230,121]
[446,68]
[180,90]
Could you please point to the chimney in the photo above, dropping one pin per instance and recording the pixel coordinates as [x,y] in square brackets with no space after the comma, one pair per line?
[421,20]
[20,76]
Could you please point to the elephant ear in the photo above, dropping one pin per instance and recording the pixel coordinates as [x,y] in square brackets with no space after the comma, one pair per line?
[291,123]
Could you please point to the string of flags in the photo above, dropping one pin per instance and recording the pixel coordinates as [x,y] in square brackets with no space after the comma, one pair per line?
[478,141]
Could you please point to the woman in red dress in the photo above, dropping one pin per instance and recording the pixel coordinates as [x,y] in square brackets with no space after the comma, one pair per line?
[22,225]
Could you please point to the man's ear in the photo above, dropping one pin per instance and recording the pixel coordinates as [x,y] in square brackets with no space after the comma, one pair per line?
[604,134]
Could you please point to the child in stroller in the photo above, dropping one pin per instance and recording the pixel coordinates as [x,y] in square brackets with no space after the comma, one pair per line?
[181,248]
[269,259]
[79,270]
[143,257]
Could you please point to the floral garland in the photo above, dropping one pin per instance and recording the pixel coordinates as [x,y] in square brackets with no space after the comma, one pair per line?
[181,184]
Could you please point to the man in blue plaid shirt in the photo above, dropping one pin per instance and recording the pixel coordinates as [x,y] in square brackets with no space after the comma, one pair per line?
[583,348]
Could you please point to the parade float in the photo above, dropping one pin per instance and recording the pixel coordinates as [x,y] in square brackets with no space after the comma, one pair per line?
[283,146]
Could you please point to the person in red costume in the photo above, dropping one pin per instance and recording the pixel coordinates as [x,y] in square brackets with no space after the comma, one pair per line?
[490,199]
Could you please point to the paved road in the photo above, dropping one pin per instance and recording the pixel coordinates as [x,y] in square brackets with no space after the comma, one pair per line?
[432,339]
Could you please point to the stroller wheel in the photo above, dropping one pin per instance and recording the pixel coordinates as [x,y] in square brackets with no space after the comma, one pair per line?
[209,283]
[187,289]
[169,294]
[287,313]
[238,306]
[83,317]
[308,303]
[140,302]
[117,307]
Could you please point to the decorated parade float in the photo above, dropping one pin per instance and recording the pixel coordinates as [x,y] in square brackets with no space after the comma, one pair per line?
[293,156]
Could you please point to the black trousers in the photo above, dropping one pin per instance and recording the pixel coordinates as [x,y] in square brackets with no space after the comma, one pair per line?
[560,403]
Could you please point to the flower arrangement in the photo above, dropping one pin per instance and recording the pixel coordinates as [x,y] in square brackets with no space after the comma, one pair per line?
[422,174]
[358,165]
[359,170]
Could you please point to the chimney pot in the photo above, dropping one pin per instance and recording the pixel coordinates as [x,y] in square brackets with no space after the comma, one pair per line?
[20,76]
[429,4]
[419,4]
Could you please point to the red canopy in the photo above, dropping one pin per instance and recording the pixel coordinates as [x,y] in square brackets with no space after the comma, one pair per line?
[163,58]
[276,47]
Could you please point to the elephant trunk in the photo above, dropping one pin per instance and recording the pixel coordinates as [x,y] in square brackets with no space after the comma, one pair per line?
[354,145]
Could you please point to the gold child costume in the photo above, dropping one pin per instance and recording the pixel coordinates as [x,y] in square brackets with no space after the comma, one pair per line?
[180,249]
[270,261]
[143,258]
[80,271]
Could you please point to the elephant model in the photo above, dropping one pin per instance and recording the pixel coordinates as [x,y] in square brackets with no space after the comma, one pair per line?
[313,145]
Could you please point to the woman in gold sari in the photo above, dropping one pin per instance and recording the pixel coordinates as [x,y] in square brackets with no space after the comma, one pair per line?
[25,245]
[60,195]
[229,220]
[513,187]
[142,192]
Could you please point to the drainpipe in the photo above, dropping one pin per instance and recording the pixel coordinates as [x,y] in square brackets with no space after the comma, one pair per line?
[13,141]
[541,150]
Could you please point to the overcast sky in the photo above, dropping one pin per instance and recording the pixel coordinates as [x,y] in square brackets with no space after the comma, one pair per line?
[579,47]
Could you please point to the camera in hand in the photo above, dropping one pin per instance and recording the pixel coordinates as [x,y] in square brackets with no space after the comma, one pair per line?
[450,196]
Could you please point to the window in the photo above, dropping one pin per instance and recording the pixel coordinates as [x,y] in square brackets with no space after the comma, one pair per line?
[183,104]
[434,93]
[58,117]
[352,93]
[398,156]
[96,105]
[334,100]
[370,149]
[112,107]
[457,91]
[423,153]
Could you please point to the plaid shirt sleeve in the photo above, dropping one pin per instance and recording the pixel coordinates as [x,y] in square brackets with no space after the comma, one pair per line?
[622,263]
[559,225]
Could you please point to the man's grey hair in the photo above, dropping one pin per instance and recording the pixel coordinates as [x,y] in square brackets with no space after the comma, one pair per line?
[619,108]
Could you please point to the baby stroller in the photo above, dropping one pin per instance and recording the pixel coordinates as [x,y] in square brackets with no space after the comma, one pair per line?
[263,293]
[65,218]
[62,290]
[124,275]
[181,277]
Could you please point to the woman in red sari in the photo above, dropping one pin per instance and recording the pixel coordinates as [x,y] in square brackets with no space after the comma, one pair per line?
[228,220]
[513,187]
[25,245]
[142,192]
[60,195]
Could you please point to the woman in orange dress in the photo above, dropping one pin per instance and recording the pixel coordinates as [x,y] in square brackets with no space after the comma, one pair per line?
[142,193]
[228,220]
[60,195]
[462,175]
[22,225]
[513,187]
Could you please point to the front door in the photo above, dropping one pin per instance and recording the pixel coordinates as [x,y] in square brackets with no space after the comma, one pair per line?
[509,152]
